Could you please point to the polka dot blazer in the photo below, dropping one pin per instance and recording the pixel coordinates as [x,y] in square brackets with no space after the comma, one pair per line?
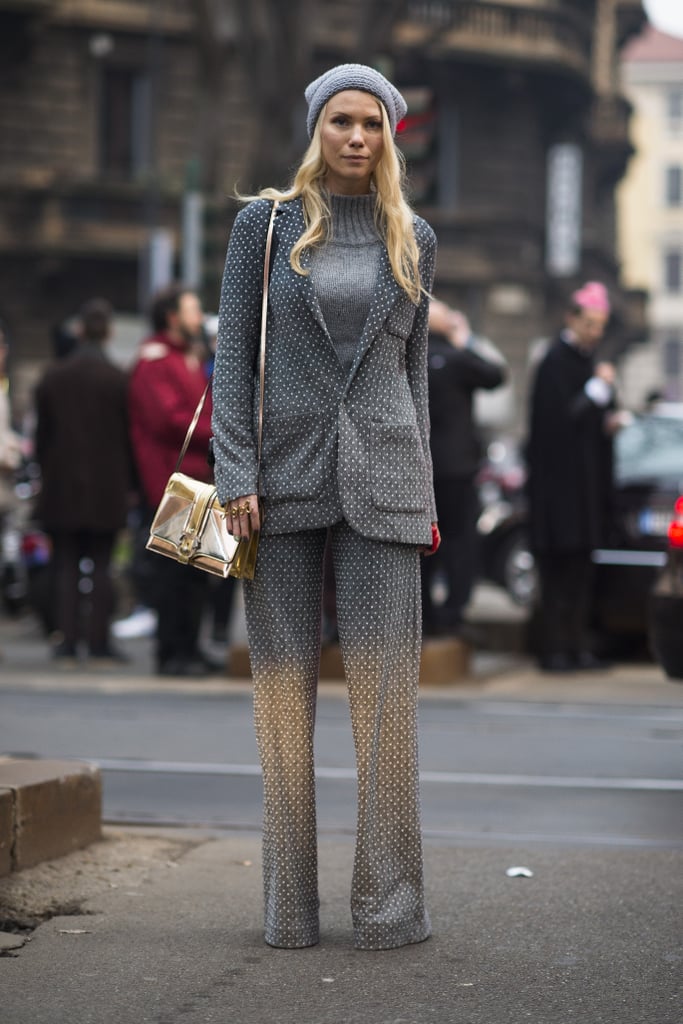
[335,446]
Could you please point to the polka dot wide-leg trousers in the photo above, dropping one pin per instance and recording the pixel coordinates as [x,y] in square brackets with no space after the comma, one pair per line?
[378,609]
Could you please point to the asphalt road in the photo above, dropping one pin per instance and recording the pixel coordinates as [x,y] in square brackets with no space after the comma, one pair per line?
[494,770]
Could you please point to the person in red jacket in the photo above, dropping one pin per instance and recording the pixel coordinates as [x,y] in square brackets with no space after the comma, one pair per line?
[166,384]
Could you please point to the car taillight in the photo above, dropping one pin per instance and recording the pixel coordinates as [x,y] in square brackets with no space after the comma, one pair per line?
[676,525]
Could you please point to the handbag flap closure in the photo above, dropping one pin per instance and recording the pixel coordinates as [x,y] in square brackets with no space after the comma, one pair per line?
[187,487]
[200,497]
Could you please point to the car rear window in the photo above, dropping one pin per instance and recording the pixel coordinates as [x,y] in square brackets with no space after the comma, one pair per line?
[650,448]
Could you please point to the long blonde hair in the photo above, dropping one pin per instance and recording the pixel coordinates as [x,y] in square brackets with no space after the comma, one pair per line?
[393,215]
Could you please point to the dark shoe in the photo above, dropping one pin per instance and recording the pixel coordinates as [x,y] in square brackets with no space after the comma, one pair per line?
[110,655]
[64,650]
[212,666]
[172,667]
[65,656]
[586,661]
[219,635]
[197,666]
[557,663]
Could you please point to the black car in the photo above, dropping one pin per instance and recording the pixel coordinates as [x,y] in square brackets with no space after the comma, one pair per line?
[648,473]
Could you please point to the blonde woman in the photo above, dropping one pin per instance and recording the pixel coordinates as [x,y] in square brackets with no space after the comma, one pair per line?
[345,454]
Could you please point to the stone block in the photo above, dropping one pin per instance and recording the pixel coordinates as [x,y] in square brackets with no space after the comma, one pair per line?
[6,830]
[238,661]
[443,661]
[57,807]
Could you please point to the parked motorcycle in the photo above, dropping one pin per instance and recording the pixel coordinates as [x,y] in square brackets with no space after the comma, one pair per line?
[504,555]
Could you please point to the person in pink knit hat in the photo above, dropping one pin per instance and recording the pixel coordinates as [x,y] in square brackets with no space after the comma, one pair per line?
[569,457]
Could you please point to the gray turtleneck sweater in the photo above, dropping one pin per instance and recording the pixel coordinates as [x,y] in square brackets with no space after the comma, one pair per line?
[344,272]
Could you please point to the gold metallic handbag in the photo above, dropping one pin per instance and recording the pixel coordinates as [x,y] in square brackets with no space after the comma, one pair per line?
[190,523]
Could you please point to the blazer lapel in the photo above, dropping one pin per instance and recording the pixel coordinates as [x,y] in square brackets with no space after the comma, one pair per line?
[386,294]
[292,229]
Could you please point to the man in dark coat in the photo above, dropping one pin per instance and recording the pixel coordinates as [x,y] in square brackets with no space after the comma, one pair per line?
[456,370]
[570,477]
[83,450]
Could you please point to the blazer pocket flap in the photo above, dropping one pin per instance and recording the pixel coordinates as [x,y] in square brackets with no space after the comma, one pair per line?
[398,472]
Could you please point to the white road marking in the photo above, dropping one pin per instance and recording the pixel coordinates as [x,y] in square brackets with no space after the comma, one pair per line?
[477,837]
[349,774]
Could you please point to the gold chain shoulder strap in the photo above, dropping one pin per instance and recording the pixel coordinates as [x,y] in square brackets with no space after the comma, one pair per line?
[262,359]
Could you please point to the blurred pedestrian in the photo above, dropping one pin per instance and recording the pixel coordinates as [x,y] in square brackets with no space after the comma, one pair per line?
[221,595]
[10,457]
[11,444]
[345,450]
[166,384]
[11,450]
[569,458]
[65,338]
[83,450]
[456,370]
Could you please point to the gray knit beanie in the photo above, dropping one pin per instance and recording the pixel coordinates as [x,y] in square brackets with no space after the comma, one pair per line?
[353,76]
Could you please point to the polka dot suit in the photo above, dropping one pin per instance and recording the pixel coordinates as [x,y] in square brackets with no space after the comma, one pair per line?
[346,455]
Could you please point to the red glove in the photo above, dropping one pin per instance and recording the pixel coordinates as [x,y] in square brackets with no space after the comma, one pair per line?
[436,540]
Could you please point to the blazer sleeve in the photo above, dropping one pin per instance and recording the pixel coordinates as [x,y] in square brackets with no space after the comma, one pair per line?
[416,349]
[239,321]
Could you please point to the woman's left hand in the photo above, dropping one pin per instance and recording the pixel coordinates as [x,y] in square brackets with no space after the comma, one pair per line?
[242,516]
[436,541]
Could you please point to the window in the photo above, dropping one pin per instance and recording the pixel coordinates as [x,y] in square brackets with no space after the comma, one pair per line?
[125,128]
[672,355]
[674,186]
[672,365]
[673,270]
[564,201]
[649,448]
[675,110]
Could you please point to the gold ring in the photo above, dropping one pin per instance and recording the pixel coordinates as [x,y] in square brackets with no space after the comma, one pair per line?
[247,508]
[234,511]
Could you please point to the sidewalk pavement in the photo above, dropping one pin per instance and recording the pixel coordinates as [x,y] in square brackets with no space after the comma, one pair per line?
[592,938]
[25,663]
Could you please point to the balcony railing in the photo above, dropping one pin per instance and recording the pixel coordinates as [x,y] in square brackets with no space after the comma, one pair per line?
[128,15]
[511,31]
[26,7]
[90,217]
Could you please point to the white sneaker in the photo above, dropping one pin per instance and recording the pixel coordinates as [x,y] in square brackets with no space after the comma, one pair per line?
[140,623]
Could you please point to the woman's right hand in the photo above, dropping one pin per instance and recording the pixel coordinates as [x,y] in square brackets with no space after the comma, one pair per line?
[242,516]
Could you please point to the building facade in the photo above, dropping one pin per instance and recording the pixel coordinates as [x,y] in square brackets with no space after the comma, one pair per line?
[650,202]
[125,127]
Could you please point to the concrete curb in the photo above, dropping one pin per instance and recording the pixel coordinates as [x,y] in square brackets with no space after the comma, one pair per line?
[47,809]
